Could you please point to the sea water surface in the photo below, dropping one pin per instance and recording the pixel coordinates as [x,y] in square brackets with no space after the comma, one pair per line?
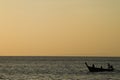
[56,68]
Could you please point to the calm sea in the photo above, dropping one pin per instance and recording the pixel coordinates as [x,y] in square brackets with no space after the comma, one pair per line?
[57,68]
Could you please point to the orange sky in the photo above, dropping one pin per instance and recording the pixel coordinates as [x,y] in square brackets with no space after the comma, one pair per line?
[60,27]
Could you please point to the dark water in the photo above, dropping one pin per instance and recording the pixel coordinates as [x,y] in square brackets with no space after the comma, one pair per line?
[56,68]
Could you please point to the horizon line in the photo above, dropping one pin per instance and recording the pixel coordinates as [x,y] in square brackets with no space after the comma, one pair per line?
[53,56]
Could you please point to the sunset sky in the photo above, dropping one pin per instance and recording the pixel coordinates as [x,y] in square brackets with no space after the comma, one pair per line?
[59,27]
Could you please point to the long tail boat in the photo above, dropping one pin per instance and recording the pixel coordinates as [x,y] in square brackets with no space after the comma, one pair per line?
[97,69]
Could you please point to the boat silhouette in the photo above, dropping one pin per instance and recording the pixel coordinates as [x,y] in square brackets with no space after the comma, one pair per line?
[97,69]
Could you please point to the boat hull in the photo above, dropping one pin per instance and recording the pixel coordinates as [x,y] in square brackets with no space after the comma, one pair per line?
[98,69]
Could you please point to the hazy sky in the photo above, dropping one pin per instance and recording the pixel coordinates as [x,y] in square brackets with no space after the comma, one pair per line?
[60,27]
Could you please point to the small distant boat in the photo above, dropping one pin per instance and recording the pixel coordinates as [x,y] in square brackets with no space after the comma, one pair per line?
[97,69]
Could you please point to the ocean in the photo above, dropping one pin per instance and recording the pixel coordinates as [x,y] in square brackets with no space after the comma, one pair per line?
[56,68]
